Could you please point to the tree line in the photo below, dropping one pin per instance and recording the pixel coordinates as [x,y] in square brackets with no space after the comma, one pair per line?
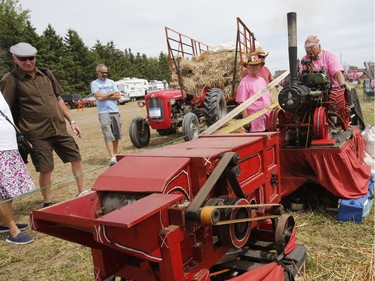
[72,62]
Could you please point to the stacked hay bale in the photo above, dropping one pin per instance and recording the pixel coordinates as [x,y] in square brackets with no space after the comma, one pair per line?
[212,69]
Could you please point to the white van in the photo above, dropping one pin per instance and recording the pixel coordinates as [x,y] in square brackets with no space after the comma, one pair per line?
[155,85]
[136,88]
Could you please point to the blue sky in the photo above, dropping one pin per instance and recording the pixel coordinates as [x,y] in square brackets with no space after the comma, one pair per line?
[344,27]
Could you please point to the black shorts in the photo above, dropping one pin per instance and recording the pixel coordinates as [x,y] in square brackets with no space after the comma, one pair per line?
[64,145]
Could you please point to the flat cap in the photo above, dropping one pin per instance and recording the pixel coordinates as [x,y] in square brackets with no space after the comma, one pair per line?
[23,50]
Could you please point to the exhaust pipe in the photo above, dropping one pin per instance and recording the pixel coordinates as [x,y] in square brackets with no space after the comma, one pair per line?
[292,47]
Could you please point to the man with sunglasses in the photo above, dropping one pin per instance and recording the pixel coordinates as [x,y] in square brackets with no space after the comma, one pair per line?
[107,95]
[33,94]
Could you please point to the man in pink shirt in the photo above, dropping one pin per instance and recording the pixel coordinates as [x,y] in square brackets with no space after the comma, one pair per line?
[327,61]
[249,86]
[323,60]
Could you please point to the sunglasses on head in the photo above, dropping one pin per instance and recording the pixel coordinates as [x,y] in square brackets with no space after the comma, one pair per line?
[26,58]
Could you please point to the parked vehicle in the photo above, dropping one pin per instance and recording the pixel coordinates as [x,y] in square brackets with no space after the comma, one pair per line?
[369,82]
[155,85]
[89,100]
[135,87]
[71,101]
[168,110]
[368,90]
[124,98]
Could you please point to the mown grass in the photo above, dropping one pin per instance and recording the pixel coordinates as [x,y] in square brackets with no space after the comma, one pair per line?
[335,251]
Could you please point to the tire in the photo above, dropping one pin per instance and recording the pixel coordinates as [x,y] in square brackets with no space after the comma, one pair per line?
[139,132]
[215,106]
[365,96]
[190,126]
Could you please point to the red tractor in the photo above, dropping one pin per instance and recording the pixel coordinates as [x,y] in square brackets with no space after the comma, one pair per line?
[168,110]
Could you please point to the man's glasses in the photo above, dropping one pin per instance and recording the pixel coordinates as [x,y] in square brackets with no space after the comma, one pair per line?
[26,58]
[104,72]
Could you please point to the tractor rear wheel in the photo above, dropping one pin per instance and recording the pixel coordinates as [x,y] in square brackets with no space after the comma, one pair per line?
[139,132]
[215,106]
[190,126]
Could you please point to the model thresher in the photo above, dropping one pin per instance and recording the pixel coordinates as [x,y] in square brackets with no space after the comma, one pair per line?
[319,140]
[190,211]
[312,111]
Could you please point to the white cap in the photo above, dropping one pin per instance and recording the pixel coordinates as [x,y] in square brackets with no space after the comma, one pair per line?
[23,50]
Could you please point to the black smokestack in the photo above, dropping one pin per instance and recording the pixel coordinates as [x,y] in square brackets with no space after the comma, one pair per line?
[292,43]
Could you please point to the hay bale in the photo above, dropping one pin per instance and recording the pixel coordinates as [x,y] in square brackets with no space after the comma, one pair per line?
[212,69]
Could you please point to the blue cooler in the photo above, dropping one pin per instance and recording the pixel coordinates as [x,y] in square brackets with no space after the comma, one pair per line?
[357,209]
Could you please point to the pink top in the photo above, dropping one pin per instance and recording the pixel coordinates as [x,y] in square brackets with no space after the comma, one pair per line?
[265,73]
[248,87]
[328,62]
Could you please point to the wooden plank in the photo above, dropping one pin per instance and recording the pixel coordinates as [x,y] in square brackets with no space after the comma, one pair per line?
[228,117]
[233,125]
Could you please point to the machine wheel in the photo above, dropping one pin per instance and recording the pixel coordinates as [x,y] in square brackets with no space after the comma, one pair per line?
[366,97]
[284,229]
[339,101]
[276,120]
[190,126]
[320,123]
[215,106]
[139,132]
[235,234]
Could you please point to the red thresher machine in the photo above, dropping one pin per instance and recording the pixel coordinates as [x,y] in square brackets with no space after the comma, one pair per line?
[208,209]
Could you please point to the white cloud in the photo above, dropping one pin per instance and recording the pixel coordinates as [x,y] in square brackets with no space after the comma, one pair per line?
[344,27]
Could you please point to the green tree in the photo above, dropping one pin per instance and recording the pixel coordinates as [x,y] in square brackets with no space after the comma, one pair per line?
[51,49]
[14,28]
[78,62]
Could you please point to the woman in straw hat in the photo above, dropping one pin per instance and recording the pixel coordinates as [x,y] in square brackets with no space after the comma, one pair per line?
[249,86]
[265,73]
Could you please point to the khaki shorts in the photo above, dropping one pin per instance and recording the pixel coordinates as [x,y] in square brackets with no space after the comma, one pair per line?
[64,145]
[111,126]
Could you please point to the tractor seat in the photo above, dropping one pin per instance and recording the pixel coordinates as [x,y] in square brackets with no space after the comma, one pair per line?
[190,96]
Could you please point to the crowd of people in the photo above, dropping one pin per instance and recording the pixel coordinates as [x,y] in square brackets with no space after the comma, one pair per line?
[31,99]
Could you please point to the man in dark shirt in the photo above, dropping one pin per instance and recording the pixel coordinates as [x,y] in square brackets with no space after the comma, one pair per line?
[33,95]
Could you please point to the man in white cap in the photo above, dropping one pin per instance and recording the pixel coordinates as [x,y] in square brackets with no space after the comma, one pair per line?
[33,95]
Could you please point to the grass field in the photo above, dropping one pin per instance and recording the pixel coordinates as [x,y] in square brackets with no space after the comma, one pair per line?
[336,251]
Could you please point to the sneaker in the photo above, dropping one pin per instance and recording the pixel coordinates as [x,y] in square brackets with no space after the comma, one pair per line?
[113,161]
[83,193]
[20,239]
[47,204]
[21,226]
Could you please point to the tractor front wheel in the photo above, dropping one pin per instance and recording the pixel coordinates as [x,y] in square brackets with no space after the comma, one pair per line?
[139,132]
[190,126]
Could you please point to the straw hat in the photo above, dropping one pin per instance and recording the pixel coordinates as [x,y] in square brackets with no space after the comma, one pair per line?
[253,59]
[261,52]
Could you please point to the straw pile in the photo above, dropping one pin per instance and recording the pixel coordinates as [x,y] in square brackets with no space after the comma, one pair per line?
[212,69]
